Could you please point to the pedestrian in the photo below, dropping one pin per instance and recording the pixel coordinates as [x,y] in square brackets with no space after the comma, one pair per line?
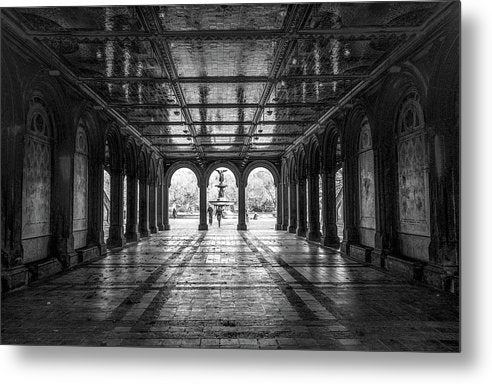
[219,214]
[175,213]
[210,214]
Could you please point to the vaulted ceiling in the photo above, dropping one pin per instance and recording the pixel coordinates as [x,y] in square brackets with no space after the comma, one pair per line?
[237,81]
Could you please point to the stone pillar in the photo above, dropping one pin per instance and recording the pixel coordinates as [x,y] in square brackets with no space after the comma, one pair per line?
[131,209]
[280,210]
[152,209]
[165,207]
[329,210]
[241,225]
[160,225]
[116,238]
[350,204]
[203,206]
[292,207]
[285,206]
[95,234]
[301,208]
[313,208]
[143,220]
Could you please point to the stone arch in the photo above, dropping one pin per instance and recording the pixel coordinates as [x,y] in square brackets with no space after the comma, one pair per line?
[143,164]
[264,164]
[131,157]
[301,163]
[292,166]
[329,146]
[225,164]
[178,165]
[313,156]
[116,152]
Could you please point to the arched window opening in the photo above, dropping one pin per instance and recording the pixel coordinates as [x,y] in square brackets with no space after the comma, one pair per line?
[184,199]
[107,193]
[261,199]
[339,190]
[80,190]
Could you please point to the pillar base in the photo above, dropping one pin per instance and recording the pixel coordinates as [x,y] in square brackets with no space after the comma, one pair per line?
[278,227]
[203,227]
[144,233]
[301,232]
[242,227]
[330,241]
[132,237]
[314,236]
[291,229]
[284,227]
[153,229]
[160,227]
[118,242]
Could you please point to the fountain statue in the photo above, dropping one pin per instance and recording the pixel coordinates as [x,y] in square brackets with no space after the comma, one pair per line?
[221,201]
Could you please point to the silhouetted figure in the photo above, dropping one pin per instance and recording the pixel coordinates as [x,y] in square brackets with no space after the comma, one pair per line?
[219,214]
[175,213]
[210,211]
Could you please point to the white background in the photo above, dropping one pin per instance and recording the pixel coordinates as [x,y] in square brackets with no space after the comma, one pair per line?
[138,365]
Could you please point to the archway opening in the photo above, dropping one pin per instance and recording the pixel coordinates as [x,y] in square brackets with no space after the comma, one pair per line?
[261,199]
[107,204]
[339,201]
[184,199]
[229,212]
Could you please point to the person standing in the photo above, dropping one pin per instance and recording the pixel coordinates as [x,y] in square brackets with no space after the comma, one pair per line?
[219,215]
[210,214]
[175,213]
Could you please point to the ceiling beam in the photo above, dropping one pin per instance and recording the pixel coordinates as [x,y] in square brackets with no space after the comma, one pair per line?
[296,15]
[400,52]
[149,18]
[213,135]
[221,105]
[297,123]
[223,79]
[364,32]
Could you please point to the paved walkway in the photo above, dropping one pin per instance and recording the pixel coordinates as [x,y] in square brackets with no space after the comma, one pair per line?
[227,289]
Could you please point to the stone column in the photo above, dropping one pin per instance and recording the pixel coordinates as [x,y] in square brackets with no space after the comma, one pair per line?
[329,210]
[292,207]
[116,238]
[285,206]
[350,204]
[301,208]
[131,209]
[152,209]
[241,225]
[203,206]
[165,207]
[280,210]
[160,225]
[143,220]
[95,234]
[313,208]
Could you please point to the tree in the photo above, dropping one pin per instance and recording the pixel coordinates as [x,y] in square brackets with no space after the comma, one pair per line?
[261,194]
[184,193]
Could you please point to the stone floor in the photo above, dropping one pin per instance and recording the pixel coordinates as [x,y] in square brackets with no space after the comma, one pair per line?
[261,289]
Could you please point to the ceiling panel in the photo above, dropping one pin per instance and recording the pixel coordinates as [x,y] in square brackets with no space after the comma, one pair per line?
[111,58]
[338,15]
[51,19]
[134,92]
[222,17]
[218,93]
[194,58]
[222,114]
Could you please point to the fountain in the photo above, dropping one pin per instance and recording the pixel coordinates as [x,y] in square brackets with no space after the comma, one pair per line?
[221,201]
